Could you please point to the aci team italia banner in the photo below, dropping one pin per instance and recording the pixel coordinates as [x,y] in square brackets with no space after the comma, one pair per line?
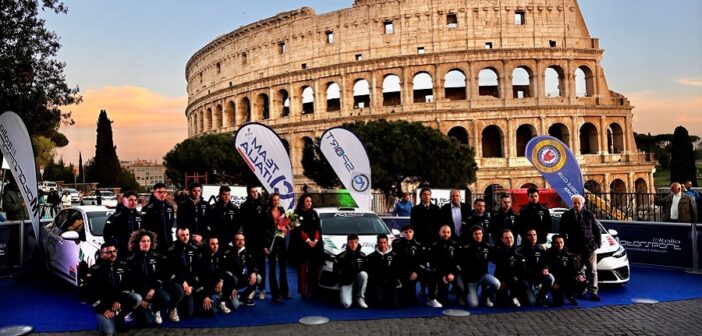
[17,149]
[265,154]
[557,164]
[349,159]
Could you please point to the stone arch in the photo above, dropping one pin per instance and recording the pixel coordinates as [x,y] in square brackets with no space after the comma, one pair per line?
[262,107]
[560,132]
[286,145]
[491,195]
[201,125]
[588,139]
[593,186]
[641,186]
[244,110]
[615,139]
[455,85]
[584,82]
[524,133]
[617,190]
[489,82]
[492,140]
[229,114]
[361,93]
[529,185]
[208,120]
[422,87]
[333,97]
[522,79]
[392,91]
[194,126]
[459,134]
[303,143]
[554,82]
[283,102]
[307,95]
[217,117]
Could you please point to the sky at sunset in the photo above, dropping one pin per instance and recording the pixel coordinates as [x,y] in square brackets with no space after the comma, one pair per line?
[128,57]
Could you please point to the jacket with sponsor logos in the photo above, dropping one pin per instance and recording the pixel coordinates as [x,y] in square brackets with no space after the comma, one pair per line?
[383,269]
[535,258]
[348,264]
[474,259]
[192,215]
[159,218]
[106,281]
[562,265]
[213,268]
[534,216]
[224,222]
[510,265]
[444,258]
[145,271]
[412,257]
[119,227]
[183,262]
[240,262]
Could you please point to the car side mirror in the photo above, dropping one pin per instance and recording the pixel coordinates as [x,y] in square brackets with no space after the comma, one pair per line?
[612,232]
[70,235]
[395,232]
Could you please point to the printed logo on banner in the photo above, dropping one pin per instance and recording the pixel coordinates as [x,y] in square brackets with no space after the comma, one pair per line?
[360,182]
[549,156]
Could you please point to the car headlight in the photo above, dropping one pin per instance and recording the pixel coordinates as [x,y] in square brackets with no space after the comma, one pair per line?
[619,253]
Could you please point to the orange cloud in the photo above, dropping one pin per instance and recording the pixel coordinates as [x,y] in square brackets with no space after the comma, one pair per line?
[146,125]
[692,81]
[661,114]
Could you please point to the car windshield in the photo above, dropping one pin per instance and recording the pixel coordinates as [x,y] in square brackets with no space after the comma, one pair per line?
[343,223]
[96,220]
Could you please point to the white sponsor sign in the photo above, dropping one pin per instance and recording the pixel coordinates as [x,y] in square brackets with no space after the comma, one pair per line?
[265,154]
[17,149]
[349,159]
[440,196]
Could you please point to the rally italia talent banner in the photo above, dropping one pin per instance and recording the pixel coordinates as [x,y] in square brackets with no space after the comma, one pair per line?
[265,154]
[349,159]
[557,164]
[17,149]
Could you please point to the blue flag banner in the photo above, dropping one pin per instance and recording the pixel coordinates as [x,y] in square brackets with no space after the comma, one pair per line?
[557,164]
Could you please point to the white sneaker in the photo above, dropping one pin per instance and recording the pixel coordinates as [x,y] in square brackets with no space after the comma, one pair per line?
[489,303]
[173,315]
[516,302]
[157,317]
[362,303]
[223,308]
[262,295]
[434,304]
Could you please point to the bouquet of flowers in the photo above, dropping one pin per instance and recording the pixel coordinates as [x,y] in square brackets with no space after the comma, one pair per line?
[286,222]
[294,218]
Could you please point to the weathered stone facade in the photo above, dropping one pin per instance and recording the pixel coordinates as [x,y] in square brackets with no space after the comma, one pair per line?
[490,73]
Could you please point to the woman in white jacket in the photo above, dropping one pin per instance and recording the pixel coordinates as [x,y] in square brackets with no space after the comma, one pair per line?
[66,199]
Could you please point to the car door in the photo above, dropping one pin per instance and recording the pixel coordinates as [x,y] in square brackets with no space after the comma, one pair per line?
[64,253]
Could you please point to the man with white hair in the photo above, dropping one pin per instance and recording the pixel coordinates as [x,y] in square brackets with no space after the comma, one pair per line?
[582,233]
[678,206]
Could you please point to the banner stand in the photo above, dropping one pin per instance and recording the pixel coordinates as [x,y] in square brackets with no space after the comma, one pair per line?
[695,252]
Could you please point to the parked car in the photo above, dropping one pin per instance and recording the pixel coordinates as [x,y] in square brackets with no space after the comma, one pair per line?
[46,186]
[612,261]
[107,198]
[70,249]
[337,223]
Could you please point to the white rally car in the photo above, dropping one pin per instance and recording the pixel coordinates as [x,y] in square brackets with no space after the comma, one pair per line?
[612,261]
[70,248]
[337,223]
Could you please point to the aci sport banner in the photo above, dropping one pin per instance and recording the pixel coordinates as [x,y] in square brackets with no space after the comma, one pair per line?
[557,164]
[17,149]
[349,159]
[265,154]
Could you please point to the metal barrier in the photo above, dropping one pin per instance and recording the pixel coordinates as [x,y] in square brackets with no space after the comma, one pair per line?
[17,241]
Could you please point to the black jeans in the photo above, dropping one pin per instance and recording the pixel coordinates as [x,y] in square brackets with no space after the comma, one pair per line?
[278,256]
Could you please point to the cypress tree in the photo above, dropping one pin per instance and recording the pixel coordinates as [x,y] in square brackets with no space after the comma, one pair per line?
[106,169]
[682,158]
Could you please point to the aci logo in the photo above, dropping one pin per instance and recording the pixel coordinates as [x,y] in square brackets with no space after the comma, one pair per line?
[360,182]
[549,156]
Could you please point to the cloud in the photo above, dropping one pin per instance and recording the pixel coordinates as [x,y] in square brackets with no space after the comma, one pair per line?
[691,81]
[661,114]
[146,125]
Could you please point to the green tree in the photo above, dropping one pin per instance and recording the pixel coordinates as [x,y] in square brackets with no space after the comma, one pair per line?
[213,154]
[401,150]
[682,159]
[104,168]
[32,82]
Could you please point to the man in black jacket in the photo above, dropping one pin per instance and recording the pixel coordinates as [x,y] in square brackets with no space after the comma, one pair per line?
[223,217]
[413,264]
[455,213]
[120,225]
[510,269]
[182,277]
[426,219]
[504,218]
[159,217]
[244,272]
[474,257]
[191,214]
[537,273]
[383,275]
[569,278]
[253,217]
[479,216]
[583,238]
[534,215]
[350,270]
[445,270]
[109,291]
[215,282]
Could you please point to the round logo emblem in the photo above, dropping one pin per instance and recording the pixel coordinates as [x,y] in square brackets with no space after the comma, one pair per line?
[549,156]
[360,182]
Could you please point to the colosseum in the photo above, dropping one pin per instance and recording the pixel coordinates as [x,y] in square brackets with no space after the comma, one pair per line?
[490,73]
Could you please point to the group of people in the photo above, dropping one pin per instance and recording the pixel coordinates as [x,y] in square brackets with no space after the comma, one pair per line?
[451,246]
[216,263]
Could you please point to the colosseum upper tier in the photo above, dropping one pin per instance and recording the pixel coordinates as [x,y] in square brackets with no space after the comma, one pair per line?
[489,73]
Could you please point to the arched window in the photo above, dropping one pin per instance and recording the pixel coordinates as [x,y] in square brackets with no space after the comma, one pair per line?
[524,134]
[492,142]
[333,97]
[245,110]
[217,120]
[392,93]
[588,139]
[283,101]
[584,82]
[593,186]
[307,100]
[488,83]
[286,145]
[361,94]
[423,88]
[560,132]
[459,134]
[455,85]
[521,82]
[208,121]
[262,105]
[615,139]
[229,114]
[492,196]
[554,81]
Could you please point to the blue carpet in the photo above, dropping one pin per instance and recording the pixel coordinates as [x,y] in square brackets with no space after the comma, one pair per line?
[48,305]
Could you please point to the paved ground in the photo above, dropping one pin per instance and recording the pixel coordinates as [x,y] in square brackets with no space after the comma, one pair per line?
[669,318]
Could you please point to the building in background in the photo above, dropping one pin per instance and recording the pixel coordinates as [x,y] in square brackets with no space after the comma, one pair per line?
[147,173]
